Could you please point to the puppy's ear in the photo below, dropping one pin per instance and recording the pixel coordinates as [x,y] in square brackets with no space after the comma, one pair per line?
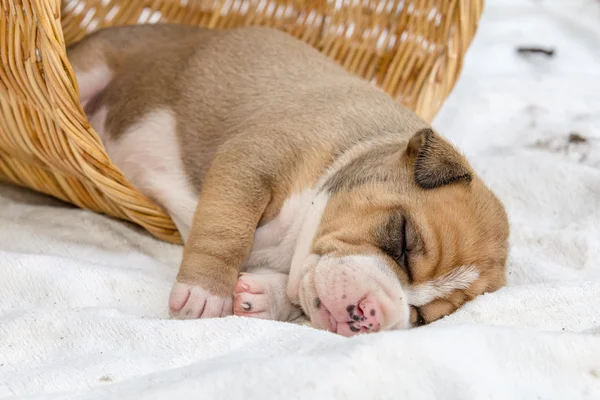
[436,162]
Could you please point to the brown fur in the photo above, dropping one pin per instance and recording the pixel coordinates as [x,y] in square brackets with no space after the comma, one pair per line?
[261,116]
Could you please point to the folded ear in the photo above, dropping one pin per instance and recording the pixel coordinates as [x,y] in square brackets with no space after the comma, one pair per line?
[436,162]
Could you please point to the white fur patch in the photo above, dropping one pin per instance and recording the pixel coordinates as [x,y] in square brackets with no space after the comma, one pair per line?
[149,156]
[459,278]
[275,242]
[92,82]
[309,227]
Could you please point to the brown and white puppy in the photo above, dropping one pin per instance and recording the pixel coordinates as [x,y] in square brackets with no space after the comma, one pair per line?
[275,163]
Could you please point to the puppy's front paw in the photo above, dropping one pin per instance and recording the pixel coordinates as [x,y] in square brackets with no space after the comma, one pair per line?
[253,298]
[191,301]
[263,296]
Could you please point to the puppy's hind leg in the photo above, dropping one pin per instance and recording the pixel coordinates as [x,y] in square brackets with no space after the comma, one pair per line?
[92,71]
[91,84]
[95,57]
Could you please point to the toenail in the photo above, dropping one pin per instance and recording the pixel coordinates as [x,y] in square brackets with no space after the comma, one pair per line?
[245,287]
[247,306]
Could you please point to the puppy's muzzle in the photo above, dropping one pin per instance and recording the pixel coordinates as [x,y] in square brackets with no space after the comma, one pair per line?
[355,294]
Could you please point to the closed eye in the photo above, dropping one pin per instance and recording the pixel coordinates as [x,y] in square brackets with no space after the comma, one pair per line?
[404,237]
[393,242]
[404,261]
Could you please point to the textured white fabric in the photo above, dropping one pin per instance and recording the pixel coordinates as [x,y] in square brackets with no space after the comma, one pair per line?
[83,297]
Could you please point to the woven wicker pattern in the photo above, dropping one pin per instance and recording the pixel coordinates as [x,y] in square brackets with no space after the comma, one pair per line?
[413,49]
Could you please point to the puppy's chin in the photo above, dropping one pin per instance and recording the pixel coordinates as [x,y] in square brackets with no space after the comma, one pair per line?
[353,294]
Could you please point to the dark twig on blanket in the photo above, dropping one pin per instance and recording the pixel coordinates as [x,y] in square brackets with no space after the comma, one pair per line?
[575,137]
[529,50]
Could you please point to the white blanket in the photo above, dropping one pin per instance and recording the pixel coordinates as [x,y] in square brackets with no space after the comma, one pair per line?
[83,297]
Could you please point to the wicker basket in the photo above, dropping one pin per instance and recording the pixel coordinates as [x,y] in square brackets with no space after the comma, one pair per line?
[413,49]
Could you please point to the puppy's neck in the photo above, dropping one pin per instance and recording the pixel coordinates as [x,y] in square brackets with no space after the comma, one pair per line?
[354,152]
[311,220]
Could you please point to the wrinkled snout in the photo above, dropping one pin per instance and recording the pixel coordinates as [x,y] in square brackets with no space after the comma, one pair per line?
[354,294]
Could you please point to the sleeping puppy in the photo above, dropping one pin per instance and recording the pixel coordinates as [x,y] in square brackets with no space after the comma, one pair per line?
[296,186]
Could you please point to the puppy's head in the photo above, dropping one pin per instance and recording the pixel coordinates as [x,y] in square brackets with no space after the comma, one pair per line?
[409,234]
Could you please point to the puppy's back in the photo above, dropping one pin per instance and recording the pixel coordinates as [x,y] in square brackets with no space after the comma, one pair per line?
[116,44]
[223,83]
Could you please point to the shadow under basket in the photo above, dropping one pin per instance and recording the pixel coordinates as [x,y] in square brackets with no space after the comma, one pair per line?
[413,49]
